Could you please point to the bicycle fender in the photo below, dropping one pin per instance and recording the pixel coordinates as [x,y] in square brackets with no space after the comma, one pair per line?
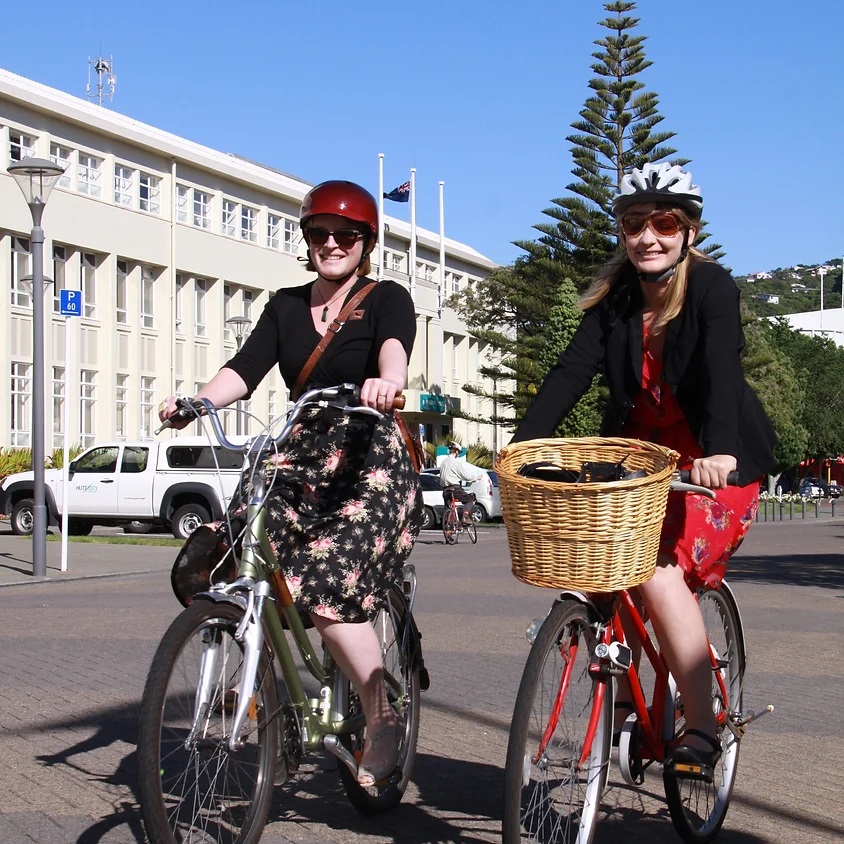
[580,597]
[217,597]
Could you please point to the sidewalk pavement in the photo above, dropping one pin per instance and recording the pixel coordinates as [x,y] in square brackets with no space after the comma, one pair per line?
[84,559]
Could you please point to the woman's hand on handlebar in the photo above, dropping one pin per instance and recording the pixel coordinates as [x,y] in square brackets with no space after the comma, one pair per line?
[713,471]
[381,394]
[169,410]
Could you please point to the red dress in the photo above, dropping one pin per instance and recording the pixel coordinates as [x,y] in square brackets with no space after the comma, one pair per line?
[699,533]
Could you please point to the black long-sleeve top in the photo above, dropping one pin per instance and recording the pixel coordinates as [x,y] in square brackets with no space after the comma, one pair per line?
[701,365]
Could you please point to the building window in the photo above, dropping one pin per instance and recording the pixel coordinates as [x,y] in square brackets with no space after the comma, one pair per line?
[89,175]
[229,218]
[124,186]
[248,299]
[200,290]
[273,230]
[396,262]
[21,391]
[291,236]
[227,312]
[58,406]
[59,279]
[180,286]
[147,297]
[87,406]
[88,283]
[182,202]
[121,295]
[455,283]
[21,262]
[202,209]
[61,155]
[249,223]
[121,394]
[21,146]
[150,193]
[147,404]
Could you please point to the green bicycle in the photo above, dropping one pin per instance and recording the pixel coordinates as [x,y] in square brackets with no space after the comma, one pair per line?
[216,736]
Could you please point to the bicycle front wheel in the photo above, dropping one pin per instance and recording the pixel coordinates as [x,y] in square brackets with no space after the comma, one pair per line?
[558,754]
[402,663]
[192,787]
[698,808]
[472,530]
[451,526]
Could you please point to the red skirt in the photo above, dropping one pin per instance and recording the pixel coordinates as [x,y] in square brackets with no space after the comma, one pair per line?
[699,534]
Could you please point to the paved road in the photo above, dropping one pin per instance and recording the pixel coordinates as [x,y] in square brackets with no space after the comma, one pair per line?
[75,654]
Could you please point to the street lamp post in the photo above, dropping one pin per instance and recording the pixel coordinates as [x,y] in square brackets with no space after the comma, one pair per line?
[240,325]
[821,273]
[36,177]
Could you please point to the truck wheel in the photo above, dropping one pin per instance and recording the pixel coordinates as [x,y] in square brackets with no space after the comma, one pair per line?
[22,518]
[188,518]
[79,527]
[136,526]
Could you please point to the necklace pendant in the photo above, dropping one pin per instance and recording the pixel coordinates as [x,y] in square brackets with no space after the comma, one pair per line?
[324,317]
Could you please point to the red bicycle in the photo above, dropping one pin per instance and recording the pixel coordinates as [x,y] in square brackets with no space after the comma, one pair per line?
[453,524]
[562,729]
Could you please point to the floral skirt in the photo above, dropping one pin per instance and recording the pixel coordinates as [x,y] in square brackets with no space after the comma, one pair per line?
[343,513]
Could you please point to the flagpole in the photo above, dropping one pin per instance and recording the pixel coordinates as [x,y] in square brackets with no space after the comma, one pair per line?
[412,268]
[442,251]
[381,222]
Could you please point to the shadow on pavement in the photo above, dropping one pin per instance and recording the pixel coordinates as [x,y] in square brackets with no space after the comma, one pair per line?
[824,570]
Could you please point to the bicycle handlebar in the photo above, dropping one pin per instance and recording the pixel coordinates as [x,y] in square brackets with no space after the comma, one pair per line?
[681,483]
[344,397]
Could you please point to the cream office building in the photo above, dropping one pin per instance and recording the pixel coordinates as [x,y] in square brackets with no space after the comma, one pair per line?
[166,240]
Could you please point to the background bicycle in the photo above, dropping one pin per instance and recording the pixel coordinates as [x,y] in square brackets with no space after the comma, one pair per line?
[219,728]
[454,522]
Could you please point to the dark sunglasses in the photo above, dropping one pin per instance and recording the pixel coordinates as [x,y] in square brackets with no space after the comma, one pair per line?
[661,223]
[344,238]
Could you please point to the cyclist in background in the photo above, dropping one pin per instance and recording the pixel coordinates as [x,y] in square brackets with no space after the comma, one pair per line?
[344,515]
[453,472]
[662,321]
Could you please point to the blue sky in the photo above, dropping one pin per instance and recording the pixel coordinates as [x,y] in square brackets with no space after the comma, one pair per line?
[481,95]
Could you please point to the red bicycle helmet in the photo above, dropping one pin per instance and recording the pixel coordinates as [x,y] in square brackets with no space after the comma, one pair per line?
[345,199]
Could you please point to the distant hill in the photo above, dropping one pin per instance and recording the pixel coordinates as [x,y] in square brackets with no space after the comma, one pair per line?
[792,290]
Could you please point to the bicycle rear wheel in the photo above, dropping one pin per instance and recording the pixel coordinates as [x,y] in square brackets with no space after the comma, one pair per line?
[401,658]
[698,808]
[451,526]
[558,754]
[196,789]
[472,530]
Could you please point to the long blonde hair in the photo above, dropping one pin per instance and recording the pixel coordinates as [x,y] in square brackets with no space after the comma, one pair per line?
[610,274]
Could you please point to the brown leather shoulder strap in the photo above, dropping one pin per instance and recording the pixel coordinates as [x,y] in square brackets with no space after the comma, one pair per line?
[336,324]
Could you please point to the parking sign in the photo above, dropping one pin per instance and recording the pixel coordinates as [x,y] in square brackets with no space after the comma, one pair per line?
[70,302]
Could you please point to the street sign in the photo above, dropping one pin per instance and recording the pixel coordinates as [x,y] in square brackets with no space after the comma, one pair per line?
[70,302]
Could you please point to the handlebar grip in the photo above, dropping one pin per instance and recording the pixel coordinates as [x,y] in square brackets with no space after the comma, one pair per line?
[399,402]
[732,478]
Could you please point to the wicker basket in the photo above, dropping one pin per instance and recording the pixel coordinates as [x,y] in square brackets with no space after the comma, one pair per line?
[595,537]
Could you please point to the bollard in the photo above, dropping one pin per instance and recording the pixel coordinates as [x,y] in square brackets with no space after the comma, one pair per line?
[833,508]
[791,510]
[817,509]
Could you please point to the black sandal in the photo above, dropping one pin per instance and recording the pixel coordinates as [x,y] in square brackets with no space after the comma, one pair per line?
[692,763]
[619,706]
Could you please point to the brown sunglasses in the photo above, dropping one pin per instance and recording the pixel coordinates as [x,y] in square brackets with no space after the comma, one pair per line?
[661,223]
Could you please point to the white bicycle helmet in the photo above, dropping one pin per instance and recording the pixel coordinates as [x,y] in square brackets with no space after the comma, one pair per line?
[661,182]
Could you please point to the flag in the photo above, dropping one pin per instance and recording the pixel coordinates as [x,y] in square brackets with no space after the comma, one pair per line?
[399,194]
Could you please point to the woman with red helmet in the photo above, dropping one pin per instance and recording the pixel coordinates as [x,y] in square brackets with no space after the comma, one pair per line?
[345,517]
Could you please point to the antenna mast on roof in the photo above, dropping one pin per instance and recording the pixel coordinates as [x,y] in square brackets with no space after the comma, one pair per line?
[105,77]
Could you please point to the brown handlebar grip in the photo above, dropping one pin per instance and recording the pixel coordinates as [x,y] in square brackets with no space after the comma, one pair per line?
[399,402]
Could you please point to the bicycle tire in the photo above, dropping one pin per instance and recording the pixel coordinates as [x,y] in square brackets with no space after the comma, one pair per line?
[472,530]
[548,797]
[698,808]
[402,664]
[205,791]
[451,526]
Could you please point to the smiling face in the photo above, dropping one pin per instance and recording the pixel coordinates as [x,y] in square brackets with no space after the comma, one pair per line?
[332,261]
[649,251]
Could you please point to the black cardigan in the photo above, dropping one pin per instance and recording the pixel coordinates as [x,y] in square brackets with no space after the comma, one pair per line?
[701,365]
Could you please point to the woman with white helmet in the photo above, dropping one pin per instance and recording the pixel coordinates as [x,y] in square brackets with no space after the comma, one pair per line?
[661,320]
[345,514]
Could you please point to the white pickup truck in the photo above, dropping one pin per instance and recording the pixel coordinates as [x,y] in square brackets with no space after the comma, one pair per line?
[173,483]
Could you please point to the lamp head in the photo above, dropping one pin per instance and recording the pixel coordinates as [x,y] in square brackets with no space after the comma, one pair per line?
[36,177]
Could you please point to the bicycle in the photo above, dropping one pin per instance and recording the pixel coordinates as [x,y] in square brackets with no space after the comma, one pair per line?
[210,755]
[453,524]
[560,738]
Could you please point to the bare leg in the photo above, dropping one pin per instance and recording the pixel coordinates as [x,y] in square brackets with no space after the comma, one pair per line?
[356,650]
[680,631]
